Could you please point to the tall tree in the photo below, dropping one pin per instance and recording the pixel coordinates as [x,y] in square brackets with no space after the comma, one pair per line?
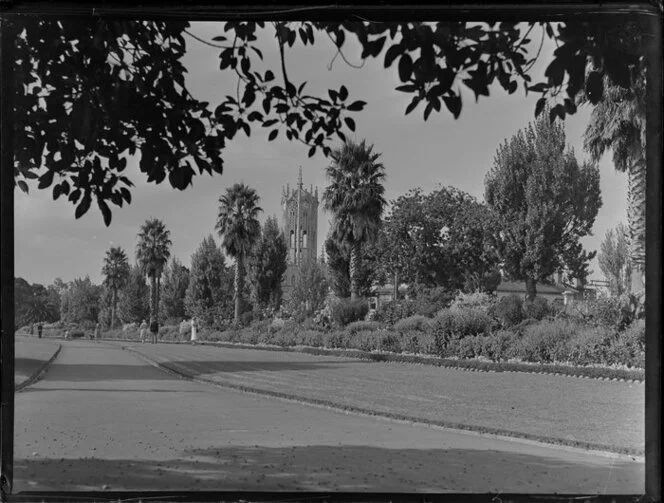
[310,289]
[152,254]
[208,295]
[618,123]
[614,259]
[82,300]
[174,289]
[34,303]
[356,199]
[268,265]
[133,301]
[239,229]
[545,203]
[116,274]
[338,268]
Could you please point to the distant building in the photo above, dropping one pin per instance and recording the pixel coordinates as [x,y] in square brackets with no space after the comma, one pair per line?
[300,227]
[556,288]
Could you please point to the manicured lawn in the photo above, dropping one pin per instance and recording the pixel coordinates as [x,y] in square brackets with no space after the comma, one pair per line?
[555,408]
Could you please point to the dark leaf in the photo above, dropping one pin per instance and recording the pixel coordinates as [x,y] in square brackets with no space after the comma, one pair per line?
[540,106]
[23,186]
[405,67]
[453,104]
[312,151]
[269,75]
[427,110]
[219,38]
[350,123]
[406,88]
[46,179]
[343,93]
[273,134]
[83,206]
[105,211]
[412,105]
[391,54]
[56,192]
[555,72]
[356,106]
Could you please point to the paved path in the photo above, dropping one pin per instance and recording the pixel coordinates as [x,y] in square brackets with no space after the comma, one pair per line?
[101,416]
[567,409]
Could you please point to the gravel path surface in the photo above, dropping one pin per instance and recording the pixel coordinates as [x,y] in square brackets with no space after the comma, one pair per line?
[103,418]
[606,413]
[31,353]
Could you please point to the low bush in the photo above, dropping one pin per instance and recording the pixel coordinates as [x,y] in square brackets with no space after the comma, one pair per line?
[365,340]
[500,346]
[546,342]
[416,322]
[393,311]
[356,326]
[347,311]
[389,341]
[449,327]
[246,318]
[629,346]
[509,310]
[538,308]
[477,300]
[309,338]
[590,345]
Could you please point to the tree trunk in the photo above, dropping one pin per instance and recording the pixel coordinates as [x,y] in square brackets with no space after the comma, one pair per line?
[636,221]
[153,287]
[354,269]
[531,289]
[239,286]
[396,285]
[113,306]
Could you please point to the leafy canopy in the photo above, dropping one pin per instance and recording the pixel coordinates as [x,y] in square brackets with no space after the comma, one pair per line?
[89,93]
[545,202]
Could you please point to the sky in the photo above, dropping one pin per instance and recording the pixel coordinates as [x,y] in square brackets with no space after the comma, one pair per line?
[50,243]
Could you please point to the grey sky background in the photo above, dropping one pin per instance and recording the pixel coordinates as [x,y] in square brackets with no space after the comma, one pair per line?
[50,242]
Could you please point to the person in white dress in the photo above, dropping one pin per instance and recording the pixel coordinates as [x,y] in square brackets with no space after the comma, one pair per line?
[194,327]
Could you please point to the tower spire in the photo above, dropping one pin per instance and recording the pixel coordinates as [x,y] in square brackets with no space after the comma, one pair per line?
[299,179]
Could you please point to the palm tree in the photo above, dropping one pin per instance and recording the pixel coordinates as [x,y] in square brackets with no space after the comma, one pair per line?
[152,254]
[618,123]
[116,274]
[239,229]
[355,198]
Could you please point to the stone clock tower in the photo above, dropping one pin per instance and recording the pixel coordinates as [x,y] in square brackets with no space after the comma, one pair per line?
[300,226]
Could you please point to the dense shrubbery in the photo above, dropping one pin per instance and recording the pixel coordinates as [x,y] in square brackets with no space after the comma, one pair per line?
[357,326]
[476,300]
[393,311]
[416,322]
[509,310]
[347,311]
[538,308]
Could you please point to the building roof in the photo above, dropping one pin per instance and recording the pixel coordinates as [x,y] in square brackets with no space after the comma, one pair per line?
[520,287]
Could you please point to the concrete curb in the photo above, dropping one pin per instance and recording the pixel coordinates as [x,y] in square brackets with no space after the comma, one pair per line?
[606,450]
[39,373]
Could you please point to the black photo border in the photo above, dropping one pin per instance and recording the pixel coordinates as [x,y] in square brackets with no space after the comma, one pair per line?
[651,16]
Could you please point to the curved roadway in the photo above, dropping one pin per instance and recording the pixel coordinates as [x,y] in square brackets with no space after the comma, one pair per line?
[104,419]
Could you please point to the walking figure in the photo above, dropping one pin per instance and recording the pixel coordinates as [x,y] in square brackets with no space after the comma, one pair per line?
[194,328]
[39,329]
[67,334]
[143,327]
[154,328]
[96,336]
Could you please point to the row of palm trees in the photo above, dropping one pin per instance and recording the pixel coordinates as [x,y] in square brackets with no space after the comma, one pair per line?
[355,197]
